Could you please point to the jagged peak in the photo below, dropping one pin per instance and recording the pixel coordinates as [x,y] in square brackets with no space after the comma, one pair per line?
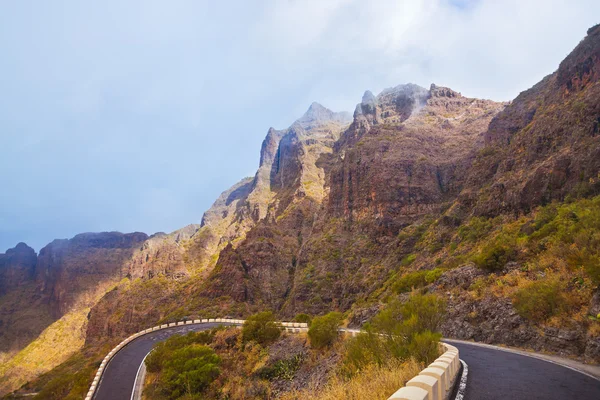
[441,91]
[317,113]
[405,88]
[21,247]
[368,98]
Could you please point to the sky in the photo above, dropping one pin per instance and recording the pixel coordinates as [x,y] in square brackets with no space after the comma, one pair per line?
[135,115]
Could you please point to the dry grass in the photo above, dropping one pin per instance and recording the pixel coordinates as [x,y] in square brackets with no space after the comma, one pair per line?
[56,343]
[373,383]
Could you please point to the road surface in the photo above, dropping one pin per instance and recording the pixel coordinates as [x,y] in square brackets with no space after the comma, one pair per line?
[119,375]
[496,374]
[493,374]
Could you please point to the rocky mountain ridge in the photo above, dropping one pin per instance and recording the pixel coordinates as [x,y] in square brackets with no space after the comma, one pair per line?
[422,189]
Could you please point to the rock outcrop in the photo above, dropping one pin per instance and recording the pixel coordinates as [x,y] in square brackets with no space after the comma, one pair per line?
[17,267]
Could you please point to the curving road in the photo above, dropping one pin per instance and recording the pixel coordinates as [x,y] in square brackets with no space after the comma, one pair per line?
[496,374]
[493,374]
[119,375]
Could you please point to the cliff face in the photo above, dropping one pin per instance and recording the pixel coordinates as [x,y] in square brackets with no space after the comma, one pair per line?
[404,156]
[17,267]
[67,274]
[545,144]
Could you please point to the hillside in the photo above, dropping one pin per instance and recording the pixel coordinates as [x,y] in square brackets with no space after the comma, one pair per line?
[45,299]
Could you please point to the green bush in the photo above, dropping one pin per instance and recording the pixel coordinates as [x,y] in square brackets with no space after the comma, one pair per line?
[186,366]
[282,369]
[410,281]
[261,328]
[163,350]
[540,300]
[433,275]
[323,330]
[400,331]
[475,229]
[190,370]
[409,259]
[303,318]
[495,254]
[418,314]
[424,346]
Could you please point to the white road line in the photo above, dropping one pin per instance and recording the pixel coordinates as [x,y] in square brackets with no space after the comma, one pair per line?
[137,376]
[462,387]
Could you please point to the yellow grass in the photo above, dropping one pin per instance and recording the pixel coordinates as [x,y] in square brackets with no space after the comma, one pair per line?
[55,344]
[373,383]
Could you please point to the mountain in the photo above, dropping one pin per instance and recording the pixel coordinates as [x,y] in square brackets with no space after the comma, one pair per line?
[42,296]
[493,206]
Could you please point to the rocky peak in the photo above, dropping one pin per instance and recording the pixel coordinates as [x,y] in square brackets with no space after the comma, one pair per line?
[319,115]
[368,98]
[439,91]
[17,266]
[582,66]
[392,105]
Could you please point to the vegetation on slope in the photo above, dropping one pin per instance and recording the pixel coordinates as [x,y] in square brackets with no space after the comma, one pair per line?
[258,363]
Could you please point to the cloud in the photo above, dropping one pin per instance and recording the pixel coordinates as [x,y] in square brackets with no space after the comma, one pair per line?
[136,115]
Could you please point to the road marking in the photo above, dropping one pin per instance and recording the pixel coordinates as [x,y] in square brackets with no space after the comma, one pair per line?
[462,387]
[137,375]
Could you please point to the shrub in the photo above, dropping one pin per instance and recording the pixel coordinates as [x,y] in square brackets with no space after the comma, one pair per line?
[475,229]
[190,370]
[400,331]
[305,318]
[409,259]
[433,275]
[409,281]
[497,253]
[323,330]
[163,350]
[261,328]
[418,314]
[282,369]
[424,346]
[539,300]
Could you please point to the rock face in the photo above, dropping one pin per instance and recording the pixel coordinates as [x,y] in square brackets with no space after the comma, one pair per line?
[546,143]
[403,156]
[17,267]
[74,273]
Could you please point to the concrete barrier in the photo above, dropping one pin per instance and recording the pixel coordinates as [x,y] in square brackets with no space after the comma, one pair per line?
[410,393]
[436,381]
[428,383]
[439,374]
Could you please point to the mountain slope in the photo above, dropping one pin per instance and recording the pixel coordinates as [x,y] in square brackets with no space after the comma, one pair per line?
[43,311]
[494,206]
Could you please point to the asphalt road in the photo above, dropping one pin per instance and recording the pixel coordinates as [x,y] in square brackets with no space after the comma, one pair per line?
[493,374]
[119,375]
[496,374]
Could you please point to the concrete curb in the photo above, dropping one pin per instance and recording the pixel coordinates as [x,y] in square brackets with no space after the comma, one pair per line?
[293,327]
[436,381]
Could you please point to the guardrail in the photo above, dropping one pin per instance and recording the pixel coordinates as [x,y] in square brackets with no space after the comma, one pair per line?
[433,383]
[436,381]
[294,327]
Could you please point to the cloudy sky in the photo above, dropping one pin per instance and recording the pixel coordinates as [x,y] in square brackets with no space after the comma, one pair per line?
[135,115]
